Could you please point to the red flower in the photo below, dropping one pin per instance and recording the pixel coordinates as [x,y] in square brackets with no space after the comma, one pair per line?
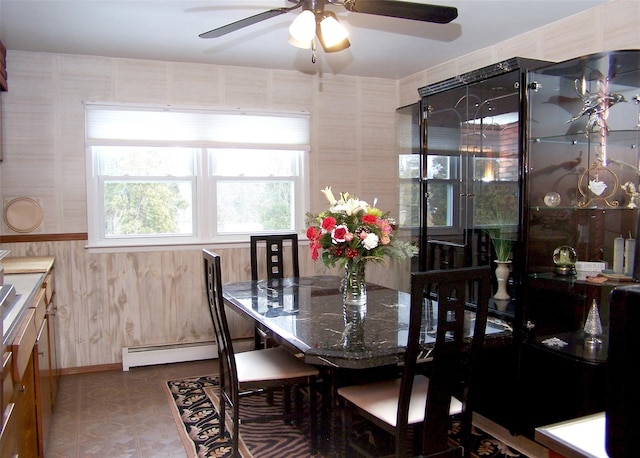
[340,233]
[314,250]
[369,219]
[313,233]
[328,223]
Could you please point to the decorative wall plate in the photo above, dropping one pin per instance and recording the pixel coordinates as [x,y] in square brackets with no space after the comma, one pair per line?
[23,214]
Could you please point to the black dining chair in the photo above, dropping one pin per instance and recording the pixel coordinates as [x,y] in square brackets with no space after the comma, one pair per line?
[276,262]
[442,254]
[276,266]
[253,372]
[426,403]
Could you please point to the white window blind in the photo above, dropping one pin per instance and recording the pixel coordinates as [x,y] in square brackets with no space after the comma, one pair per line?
[215,128]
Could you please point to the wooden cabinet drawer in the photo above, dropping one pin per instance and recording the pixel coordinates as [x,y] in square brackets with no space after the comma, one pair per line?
[40,305]
[23,344]
[7,380]
[9,444]
[48,288]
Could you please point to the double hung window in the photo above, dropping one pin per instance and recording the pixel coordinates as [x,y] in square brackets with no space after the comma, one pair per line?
[172,176]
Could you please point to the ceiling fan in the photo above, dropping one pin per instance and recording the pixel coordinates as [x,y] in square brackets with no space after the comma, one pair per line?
[315,21]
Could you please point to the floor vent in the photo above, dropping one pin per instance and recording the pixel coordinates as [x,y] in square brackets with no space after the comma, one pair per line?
[168,353]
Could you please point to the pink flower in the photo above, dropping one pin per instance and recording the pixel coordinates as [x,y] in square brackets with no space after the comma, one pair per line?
[384,226]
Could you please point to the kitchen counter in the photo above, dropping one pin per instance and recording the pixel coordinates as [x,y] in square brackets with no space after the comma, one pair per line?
[27,264]
[27,286]
[26,274]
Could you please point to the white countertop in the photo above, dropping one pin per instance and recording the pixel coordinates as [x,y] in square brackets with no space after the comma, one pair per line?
[26,286]
[582,437]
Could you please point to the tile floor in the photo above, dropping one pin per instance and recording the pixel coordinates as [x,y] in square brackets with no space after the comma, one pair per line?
[119,414]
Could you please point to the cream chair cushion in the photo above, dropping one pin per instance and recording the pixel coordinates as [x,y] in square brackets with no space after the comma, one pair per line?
[271,364]
[380,399]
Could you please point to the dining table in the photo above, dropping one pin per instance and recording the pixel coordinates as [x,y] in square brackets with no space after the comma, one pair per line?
[350,344]
[308,316]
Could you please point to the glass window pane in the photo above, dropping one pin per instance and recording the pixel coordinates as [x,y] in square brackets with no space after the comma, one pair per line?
[145,161]
[496,204]
[438,167]
[495,169]
[255,206]
[440,205]
[254,163]
[409,192]
[408,166]
[147,208]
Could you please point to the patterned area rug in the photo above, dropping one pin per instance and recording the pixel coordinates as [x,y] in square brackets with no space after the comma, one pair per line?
[195,406]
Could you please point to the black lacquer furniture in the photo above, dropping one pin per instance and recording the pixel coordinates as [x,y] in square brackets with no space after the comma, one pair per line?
[309,318]
[275,265]
[251,372]
[415,400]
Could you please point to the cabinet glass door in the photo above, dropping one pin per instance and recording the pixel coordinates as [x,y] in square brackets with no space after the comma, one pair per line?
[408,138]
[472,166]
[583,173]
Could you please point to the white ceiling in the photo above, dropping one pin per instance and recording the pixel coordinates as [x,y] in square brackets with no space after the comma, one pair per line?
[168,30]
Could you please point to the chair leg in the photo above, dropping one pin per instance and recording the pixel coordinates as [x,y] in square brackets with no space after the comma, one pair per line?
[235,441]
[347,426]
[223,409]
[286,397]
[298,405]
[313,413]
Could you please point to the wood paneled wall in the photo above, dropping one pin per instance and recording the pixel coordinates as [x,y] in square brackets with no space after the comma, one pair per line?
[107,301]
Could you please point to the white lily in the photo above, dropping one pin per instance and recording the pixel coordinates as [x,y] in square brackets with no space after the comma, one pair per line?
[350,207]
[329,195]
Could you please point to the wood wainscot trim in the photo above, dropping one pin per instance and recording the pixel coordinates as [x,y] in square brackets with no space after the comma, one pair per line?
[44,237]
[88,369]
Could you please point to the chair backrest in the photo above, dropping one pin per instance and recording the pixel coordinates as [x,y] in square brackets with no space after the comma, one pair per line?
[213,284]
[454,357]
[274,245]
[442,254]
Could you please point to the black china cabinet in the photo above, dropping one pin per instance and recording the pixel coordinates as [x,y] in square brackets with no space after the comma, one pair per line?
[540,158]
[581,197]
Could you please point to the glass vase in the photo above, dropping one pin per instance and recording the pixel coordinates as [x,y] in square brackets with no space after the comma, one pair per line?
[354,288]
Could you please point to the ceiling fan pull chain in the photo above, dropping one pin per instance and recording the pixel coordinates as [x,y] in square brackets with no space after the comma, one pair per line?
[313,51]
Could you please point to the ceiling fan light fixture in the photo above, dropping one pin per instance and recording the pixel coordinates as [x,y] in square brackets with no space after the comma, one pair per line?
[299,44]
[303,29]
[332,35]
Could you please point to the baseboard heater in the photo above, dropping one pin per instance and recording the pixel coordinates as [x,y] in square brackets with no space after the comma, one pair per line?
[148,355]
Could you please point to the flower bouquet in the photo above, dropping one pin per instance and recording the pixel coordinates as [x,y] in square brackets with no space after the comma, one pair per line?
[350,233]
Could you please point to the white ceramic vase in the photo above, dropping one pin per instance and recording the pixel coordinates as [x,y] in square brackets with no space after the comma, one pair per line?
[502,275]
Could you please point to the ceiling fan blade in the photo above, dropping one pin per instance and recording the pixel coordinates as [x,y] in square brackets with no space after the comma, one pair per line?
[242,23]
[405,10]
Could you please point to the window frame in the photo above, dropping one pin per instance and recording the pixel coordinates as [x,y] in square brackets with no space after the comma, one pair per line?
[203,185]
